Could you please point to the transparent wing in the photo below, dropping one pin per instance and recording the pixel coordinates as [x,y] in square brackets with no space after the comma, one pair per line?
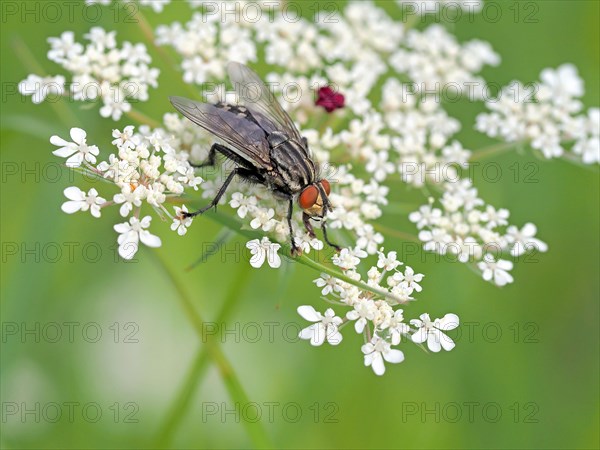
[256,96]
[246,138]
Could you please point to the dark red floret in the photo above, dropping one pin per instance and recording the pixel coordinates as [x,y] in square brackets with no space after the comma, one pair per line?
[329,99]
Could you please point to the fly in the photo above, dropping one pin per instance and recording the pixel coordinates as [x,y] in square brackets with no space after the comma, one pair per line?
[265,146]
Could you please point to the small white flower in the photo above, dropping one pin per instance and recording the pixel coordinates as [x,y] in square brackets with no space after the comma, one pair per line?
[129,197]
[264,250]
[76,151]
[325,327]
[363,311]
[379,350]
[305,242]
[368,239]
[263,219]
[181,223]
[328,283]
[131,233]
[39,88]
[388,262]
[242,203]
[346,259]
[432,332]
[425,216]
[494,217]
[80,201]
[496,270]
[524,240]
[125,139]
[409,279]
[397,327]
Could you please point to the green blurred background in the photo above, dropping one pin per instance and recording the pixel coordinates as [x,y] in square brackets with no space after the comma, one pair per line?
[540,373]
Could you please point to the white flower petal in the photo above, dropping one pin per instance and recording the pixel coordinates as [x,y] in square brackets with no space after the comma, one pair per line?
[420,336]
[78,135]
[309,313]
[71,206]
[74,193]
[149,239]
[394,356]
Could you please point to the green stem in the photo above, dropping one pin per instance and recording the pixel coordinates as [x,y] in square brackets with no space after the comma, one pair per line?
[491,150]
[234,225]
[142,118]
[396,233]
[196,372]
[232,383]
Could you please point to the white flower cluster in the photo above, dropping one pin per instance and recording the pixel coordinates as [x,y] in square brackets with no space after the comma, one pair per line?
[546,115]
[467,230]
[421,132]
[436,62]
[207,44]
[368,91]
[375,316]
[145,169]
[100,70]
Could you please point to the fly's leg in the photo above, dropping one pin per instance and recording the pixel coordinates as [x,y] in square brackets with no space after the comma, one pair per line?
[250,175]
[331,244]
[308,225]
[295,249]
[212,154]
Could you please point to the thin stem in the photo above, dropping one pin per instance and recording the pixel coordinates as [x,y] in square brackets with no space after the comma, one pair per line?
[197,370]
[142,118]
[576,161]
[234,225]
[491,150]
[396,233]
[232,382]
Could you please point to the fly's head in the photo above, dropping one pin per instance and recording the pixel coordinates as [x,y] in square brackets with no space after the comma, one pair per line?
[314,199]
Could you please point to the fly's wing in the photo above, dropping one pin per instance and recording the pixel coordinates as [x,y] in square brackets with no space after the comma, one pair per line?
[257,97]
[246,138]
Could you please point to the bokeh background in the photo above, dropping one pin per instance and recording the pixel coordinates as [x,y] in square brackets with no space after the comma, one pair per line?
[524,373]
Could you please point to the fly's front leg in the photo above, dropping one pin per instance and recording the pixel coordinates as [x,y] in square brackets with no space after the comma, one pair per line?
[331,244]
[308,225]
[295,249]
[242,172]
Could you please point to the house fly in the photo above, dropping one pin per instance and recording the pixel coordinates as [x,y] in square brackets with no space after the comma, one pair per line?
[265,146]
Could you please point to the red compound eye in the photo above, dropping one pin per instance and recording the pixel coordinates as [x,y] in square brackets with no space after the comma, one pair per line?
[308,197]
[326,186]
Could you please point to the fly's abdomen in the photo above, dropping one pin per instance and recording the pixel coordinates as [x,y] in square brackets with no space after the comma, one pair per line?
[291,162]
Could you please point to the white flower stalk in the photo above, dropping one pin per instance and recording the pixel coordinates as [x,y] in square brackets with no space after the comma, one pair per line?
[368,92]
[546,115]
[100,70]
